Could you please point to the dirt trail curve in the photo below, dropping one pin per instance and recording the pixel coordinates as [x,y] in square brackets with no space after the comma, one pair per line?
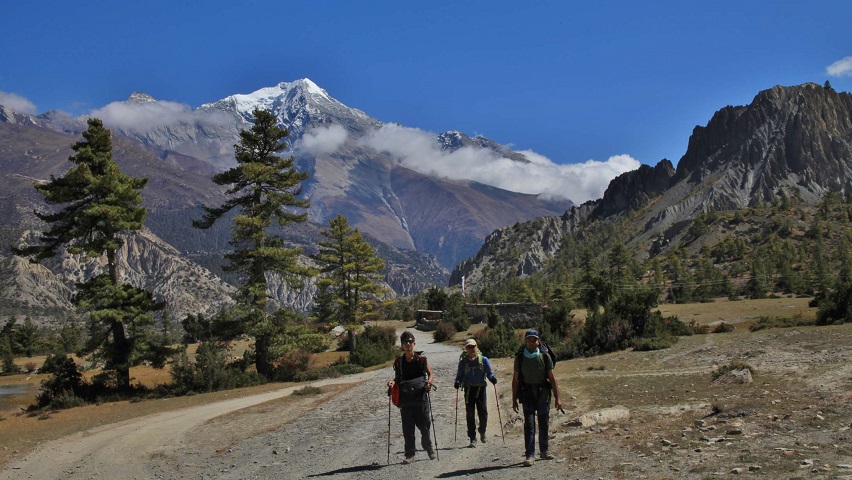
[342,437]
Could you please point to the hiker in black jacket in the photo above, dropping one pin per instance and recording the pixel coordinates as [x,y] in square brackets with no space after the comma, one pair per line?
[474,368]
[532,383]
[414,376]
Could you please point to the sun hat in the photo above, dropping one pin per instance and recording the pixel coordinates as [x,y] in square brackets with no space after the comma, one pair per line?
[531,333]
[470,342]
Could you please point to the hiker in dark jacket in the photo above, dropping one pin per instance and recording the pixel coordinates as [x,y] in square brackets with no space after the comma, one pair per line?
[474,368]
[414,376]
[532,383]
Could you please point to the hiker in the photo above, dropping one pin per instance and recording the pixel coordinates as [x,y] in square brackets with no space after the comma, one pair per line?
[474,368]
[532,383]
[414,376]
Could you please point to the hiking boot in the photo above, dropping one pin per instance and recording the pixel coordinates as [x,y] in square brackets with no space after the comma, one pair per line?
[482,437]
[529,461]
[408,460]
[472,443]
[546,456]
[432,455]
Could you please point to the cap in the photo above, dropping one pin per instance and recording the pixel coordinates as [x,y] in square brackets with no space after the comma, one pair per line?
[470,342]
[531,333]
[406,335]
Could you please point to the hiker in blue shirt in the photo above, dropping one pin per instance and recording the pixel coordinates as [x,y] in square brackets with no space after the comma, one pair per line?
[474,368]
[532,384]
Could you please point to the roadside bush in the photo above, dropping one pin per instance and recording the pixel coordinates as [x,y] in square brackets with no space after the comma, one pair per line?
[374,346]
[292,363]
[766,322]
[347,368]
[64,389]
[499,341]
[315,374]
[444,331]
[211,371]
[723,328]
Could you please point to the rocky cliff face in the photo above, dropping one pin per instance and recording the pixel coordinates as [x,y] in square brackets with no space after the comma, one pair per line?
[798,137]
[633,190]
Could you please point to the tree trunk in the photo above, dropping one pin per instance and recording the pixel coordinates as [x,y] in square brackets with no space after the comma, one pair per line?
[261,356]
[352,340]
[120,356]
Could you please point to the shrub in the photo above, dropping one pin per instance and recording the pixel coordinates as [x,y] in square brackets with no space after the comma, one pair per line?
[499,341]
[347,368]
[316,374]
[309,390]
[766,322]
[295,361]
[211,371]
[63,387]
[374,346]
[444,331]
[723,328]
[655,343]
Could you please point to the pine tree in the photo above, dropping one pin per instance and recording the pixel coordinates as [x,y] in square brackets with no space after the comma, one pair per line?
[264,189]
[351,272]
[101,204]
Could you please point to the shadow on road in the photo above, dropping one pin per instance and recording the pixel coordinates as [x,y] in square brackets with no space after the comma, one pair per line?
[473,471]
[356,469]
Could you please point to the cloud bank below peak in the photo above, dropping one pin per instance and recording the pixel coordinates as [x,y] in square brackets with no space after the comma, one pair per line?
[153,115]
[17,103]
[419,151]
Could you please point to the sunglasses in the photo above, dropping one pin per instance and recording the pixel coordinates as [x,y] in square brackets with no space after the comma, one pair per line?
[408,342]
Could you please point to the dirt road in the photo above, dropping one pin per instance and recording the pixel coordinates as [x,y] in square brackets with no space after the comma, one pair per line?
[342,435]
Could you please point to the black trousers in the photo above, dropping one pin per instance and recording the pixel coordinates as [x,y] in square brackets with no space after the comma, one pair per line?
[475,399]
[416,416]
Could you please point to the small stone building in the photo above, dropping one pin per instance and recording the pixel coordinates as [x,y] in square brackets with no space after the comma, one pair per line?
[519,315]
[427,320]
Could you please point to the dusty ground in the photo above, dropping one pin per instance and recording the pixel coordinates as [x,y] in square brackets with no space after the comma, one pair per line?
[793,421]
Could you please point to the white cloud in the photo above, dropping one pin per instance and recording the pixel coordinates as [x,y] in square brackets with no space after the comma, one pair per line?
[149,116]
[322,140]
[17,103]
[840,68]
[419,151]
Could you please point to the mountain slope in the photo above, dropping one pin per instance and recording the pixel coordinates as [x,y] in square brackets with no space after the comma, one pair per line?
[794,142]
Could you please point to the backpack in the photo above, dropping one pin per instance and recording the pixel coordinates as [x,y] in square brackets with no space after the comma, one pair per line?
[408,392]
[545,350]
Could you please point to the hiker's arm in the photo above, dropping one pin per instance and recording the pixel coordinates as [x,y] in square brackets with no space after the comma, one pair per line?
[555,389]
[515,385]
[489,373]
[429,376]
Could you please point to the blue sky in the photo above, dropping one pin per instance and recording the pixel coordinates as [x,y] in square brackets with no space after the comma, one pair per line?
[572,81]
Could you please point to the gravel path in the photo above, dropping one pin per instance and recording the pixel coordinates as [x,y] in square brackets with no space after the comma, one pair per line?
[342,436]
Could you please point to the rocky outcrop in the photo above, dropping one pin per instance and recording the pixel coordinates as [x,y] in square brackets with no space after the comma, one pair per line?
[633,190]
[519,250]
[798,137]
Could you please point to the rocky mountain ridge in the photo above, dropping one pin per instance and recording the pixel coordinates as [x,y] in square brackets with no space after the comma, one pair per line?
[794,141]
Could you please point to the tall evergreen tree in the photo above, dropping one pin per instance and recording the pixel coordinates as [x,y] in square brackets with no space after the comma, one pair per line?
[101,204]
[351,272]
[264,189]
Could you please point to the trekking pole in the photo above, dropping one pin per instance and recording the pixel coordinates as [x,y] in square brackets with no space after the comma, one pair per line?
[456,434]
[499,415]
[389,415]
[432,417]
